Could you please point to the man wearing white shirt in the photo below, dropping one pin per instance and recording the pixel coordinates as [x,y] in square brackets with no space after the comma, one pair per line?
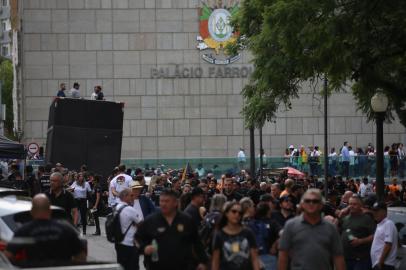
[127,252]
[241,158]
[385,244]
[352,160]
[365,189]
[75,90]
[117,184]
[401,158]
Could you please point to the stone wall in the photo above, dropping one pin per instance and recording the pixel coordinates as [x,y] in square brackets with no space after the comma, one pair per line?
[117,44]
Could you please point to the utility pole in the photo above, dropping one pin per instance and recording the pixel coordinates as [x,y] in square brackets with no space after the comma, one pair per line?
[325,136]
[2,114]
[252,151]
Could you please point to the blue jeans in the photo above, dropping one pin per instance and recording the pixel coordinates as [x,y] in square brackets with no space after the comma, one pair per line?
[358,264]
[270,262]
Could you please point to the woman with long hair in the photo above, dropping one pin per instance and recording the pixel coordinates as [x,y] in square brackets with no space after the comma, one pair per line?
[234,246]
[80,189]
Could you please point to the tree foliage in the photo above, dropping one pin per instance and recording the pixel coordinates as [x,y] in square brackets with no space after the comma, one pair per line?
[6,77]
[356,43]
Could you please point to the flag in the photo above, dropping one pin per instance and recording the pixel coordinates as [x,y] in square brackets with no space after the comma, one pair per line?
[186,171]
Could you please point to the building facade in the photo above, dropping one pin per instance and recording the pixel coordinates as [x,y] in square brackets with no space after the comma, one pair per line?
[164,59]
[5,29]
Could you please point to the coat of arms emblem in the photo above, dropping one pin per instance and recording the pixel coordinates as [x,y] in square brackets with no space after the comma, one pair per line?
[215,30]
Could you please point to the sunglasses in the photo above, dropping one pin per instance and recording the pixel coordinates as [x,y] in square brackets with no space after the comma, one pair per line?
[310,201]
[234,211]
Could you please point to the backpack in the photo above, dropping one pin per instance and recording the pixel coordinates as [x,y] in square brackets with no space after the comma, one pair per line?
[207,226]
[113,226]
[261,232]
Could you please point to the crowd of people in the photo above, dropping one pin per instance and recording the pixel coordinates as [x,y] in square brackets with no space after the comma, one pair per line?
[181,219]
[347,161]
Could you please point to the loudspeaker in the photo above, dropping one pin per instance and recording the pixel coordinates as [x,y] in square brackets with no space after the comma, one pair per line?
[85,132]
[85,113]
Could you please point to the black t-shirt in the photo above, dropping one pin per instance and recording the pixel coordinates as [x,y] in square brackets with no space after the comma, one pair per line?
[193,212]
[96,189]
[179,245]
[33,184]
[235,249]
[100,96]
[360,226]
[279,218]
[234,196]
[46,240]
[44,183]
[65,200]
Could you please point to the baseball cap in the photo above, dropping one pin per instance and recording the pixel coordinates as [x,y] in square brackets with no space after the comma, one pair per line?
[379,206]
[135,184]
[291,146]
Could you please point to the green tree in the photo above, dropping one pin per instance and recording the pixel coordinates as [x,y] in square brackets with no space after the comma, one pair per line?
[6,77]
[357,43]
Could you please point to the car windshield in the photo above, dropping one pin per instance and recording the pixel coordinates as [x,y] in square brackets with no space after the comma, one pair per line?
[14,221]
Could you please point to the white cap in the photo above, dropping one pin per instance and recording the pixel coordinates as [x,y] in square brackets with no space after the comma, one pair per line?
[291,146]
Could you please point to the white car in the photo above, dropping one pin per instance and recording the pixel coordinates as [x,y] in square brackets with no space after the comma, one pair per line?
[398,216]
[15,212]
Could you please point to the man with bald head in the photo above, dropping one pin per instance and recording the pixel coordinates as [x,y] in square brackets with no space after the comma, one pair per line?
[44,239]
[58,196]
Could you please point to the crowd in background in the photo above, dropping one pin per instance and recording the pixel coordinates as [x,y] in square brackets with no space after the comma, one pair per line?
[236,203]
[347,161]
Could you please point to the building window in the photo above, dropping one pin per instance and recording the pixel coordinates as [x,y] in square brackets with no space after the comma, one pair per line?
[5,25]
[5,50]
[4,3]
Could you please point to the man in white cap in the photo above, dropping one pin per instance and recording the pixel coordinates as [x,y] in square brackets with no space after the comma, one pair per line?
[142,204]
[293,157]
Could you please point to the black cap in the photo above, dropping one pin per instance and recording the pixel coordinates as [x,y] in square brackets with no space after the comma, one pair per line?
[369,201]
[379,206]
[196,192]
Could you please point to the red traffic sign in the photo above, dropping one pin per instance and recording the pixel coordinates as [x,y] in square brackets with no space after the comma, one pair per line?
[33,148]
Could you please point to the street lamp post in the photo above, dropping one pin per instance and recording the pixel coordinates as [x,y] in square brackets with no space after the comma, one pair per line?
[379,104]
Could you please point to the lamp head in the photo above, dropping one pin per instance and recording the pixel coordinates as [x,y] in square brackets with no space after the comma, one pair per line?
[379,102]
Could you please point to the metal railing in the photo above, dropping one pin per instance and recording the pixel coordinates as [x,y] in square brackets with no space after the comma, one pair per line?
[359,166]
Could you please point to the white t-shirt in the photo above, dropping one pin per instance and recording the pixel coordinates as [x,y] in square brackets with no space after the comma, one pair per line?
[137,207]
[385,233]
[120,182]
[128,217]
[365,190]
[75,93]
[241,156]
[80,191]
[93,96]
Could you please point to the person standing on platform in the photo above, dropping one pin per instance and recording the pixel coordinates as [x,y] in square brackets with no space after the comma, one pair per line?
[61,92]
[75,90]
